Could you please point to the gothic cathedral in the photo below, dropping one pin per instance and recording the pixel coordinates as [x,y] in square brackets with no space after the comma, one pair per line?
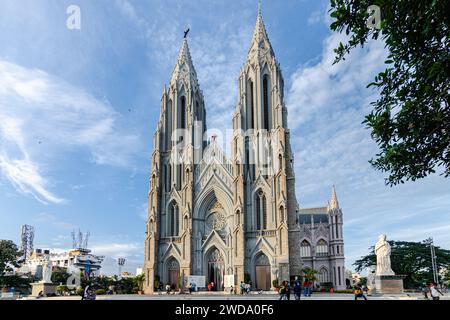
[213,215]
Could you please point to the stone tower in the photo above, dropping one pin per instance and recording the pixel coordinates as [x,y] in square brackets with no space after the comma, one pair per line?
[264,179]
[178,146]
[227,219]
[337,262]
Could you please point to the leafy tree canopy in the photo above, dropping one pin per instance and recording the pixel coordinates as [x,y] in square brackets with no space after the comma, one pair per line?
[412,259]
[60,275]
[410,121]
[9,257]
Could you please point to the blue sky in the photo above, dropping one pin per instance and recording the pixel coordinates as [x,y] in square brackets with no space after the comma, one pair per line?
[78,109]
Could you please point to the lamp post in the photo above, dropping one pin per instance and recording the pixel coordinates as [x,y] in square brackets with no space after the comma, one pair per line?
[433,261]
[121,263]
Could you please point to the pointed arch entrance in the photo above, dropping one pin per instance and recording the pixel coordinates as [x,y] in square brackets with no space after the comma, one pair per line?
[215,268]
[262,272]
[173,272]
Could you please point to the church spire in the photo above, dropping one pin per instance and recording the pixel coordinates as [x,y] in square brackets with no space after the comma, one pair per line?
[184,68]
[260,40]
[334,201]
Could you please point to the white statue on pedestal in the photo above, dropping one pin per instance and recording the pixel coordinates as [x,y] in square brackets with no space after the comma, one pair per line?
[383,253]
[46,272]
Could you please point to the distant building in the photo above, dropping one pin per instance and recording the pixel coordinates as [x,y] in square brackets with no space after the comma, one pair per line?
[139,271]
[74,260]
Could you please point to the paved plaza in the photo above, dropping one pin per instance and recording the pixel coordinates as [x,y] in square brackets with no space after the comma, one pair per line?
[317,296]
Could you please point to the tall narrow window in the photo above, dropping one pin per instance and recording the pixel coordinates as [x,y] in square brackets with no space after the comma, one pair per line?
[250,105]
[261,211]
[183,113]
[266,102]
[337,227]
[197,111]
[339,274]
[169,126]
[179,174]
[169,178]
[173,219]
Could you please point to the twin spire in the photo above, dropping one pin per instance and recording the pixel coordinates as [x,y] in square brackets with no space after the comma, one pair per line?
[260,44]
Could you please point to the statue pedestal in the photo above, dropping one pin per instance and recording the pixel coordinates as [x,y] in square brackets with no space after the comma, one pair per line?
[389,284]
[46,288]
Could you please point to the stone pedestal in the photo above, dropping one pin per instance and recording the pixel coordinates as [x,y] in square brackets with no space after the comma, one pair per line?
[389,284]
[46,288]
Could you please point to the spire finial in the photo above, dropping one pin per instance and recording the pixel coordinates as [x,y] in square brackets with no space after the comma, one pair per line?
[186,32]
[259,8]
[334,201]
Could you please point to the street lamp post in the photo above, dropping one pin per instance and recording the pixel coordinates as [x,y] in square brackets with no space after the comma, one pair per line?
[121,263]
[433,261]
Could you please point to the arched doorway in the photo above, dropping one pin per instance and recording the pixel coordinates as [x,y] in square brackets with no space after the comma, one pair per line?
[262,272]
[173,272]
[216,269]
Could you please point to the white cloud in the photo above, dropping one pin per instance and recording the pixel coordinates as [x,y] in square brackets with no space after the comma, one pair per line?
[48,218]
[41,117]
[116,250]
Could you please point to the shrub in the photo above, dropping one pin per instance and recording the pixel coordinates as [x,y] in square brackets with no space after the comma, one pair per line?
[275,283]
[79,291]
[62,289]
[344,291]
[100,291]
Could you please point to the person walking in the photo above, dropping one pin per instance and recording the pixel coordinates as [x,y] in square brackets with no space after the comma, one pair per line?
[288,290]
[297,290]
[242,287]
[359,293]
[282,291]
[435,292]
[425,290]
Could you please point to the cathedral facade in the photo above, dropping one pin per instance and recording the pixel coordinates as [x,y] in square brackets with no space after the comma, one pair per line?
[212,215]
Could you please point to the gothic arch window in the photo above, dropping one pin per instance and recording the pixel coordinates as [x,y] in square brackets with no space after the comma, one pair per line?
[179,175]
[197,111]
[266,102]
[173,219]
[280,162]
[322,276]
[169,178]
[261,210]
[281,214]
[305,249]
[183,113]
[152,181]
[250,105]
[322,248]
[169,126]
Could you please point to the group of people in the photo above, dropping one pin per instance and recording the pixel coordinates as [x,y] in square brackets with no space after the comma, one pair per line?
[432,289]
[245,287]
[361,292]
[172,289]
[295,286]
